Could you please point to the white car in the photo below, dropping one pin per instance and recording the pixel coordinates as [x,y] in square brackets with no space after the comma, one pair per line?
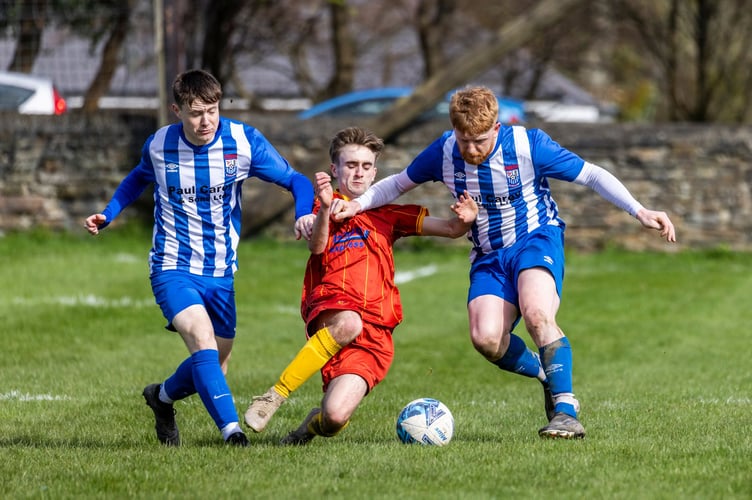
[552,111]
[30,94]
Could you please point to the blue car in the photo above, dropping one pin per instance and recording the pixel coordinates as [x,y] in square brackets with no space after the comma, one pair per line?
[372,102]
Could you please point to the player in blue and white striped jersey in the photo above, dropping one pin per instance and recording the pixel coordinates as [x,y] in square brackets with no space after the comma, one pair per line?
[198,166]
[517,257]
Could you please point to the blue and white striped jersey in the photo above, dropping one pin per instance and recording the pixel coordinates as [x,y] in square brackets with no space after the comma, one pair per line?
[510,186]
[197,194]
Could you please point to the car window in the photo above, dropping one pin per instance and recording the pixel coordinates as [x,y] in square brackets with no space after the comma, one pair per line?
[11,97]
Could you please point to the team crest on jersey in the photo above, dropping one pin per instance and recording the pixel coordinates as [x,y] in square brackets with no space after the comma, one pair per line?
[513,176]
[231,164]
[171,167]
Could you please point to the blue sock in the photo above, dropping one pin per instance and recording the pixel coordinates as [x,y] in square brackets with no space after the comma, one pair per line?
[180,384]
[556,358]
[520,359]
[212,387]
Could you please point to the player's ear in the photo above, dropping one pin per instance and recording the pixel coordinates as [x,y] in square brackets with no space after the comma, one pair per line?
[175,109]
[333,169]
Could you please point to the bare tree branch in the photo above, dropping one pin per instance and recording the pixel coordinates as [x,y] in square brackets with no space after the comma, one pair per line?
[477,59]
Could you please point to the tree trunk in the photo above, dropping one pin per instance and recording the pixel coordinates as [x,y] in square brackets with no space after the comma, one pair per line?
[110,59]
[220,28]
[433,21]
[344,51]
[477,60]
[29,36]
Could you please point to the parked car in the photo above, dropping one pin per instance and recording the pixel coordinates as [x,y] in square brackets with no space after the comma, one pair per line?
[30,94]
[552,111]
[371,102]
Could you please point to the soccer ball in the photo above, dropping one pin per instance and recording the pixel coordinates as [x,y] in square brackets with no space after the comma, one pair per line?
[426,421]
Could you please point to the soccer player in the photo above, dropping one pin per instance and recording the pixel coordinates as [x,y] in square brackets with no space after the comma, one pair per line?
[350,303]
[517,240]
[198,166]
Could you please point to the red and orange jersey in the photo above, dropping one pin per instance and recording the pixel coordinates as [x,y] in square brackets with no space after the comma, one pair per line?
[356,270]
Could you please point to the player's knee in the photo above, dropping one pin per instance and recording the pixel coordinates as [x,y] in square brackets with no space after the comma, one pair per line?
[347,327]
[336,418]
[486,346]
[487,341]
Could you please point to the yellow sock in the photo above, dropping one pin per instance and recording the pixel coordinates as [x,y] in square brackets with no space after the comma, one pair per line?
[311,358]
[315,427]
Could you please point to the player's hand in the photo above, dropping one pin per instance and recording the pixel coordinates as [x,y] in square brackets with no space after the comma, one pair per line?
[657,220]
[465,208]
[93,222]
[322,186]
[304,227]
[344,209]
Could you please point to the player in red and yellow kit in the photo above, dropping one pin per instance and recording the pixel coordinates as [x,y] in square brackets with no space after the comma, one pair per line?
[350,302]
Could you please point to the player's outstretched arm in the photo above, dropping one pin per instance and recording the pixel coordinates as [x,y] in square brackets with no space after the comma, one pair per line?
[610,188]
[385,191]
[653,219]
[466,211]
[93,222]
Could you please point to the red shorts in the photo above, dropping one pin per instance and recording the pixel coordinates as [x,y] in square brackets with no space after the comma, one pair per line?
[369,356]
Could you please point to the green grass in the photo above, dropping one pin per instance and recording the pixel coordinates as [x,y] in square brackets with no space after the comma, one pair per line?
[662,369]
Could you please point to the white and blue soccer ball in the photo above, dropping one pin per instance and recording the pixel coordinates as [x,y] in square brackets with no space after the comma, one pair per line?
[425,421]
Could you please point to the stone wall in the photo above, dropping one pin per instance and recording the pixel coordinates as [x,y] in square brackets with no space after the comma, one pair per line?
[56,171]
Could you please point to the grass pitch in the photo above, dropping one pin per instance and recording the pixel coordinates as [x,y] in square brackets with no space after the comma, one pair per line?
[662,369]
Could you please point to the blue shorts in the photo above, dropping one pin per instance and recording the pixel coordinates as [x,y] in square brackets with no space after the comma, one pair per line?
[177,290]
[496,273]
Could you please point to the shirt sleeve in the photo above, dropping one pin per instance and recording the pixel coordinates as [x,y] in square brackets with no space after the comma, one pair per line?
[552,160]
[407,220]
[302,192]
[425,167]
[609,187]
[428,165]
[385,191]
[131,187]
[270,166]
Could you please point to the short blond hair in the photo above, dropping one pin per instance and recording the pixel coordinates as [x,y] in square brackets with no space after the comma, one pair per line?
[358,136]
[473,110]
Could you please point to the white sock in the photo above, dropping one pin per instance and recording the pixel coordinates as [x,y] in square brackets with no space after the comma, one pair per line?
[230,429]
[163,397]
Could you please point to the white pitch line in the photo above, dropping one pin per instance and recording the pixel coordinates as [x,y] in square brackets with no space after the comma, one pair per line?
[19,396]
[405,276]
[287,309]
[83,300]
[731,400]
[399,278]
[94,301]
[127,258]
